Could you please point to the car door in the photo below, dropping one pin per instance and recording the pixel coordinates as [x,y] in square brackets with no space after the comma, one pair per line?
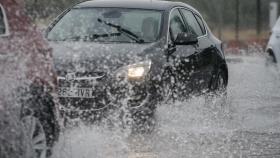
[182,57]
[204,52]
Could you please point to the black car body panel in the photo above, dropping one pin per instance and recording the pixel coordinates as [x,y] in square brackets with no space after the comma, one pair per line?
[188,69]
[79,55]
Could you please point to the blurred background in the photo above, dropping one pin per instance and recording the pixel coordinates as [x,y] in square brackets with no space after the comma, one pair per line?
[239,23]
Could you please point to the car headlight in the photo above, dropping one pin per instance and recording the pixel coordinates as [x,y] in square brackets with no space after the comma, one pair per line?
[139,70]
[136,71]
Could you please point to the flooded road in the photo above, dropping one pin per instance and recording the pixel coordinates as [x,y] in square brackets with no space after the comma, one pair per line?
[248,125]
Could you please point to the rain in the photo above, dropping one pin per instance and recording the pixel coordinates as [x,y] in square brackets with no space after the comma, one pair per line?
[119,79]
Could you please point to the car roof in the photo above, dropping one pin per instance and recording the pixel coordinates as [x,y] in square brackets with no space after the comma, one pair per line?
[139,4]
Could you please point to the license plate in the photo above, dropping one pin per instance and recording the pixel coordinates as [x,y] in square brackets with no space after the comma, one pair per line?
[64,92]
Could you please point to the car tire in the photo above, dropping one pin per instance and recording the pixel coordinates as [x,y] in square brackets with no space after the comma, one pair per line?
[36,134]
[270,58]
[48,126]
[219,83]
[143,122]
[218,90]
[168,88]
[39,105]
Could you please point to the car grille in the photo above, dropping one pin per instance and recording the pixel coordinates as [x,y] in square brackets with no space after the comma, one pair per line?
[76,104]
[97,74]
[80,79]
[83,74]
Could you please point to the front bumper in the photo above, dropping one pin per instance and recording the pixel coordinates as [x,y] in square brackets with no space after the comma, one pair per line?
[110,95]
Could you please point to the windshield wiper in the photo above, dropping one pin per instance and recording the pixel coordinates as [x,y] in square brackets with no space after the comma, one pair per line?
[128,33]
[96,36]
[72,38]
[90,37]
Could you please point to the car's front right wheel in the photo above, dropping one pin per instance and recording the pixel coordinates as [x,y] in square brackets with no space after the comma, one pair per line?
[144,122]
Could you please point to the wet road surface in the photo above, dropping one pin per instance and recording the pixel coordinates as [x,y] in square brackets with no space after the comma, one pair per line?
[248,125]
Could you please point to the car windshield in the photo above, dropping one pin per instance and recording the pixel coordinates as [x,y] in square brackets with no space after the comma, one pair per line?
[108,25]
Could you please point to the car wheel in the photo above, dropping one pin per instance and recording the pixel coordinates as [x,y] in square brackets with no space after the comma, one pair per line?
[168,86]
[144,123]
[270,58]
[219,84]
[38,109]
[218,93]
[37,135]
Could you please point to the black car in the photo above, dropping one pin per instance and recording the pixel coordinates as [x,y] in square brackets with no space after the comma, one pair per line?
[133,54]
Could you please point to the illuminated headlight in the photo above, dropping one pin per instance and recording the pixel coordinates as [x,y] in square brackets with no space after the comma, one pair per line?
[136,71]
[139,70]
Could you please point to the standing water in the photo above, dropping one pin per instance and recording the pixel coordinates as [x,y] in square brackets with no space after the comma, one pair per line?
[246,125]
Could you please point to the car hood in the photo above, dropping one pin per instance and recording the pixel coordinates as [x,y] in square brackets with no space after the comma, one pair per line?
[95,57]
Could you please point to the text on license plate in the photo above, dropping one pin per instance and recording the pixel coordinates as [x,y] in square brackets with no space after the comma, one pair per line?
[75,92]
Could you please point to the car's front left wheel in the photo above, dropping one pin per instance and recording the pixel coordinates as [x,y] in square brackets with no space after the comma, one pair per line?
[219,83]
[218,90]
[144,122]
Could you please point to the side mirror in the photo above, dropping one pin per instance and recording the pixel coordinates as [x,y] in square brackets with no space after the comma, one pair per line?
[186,39]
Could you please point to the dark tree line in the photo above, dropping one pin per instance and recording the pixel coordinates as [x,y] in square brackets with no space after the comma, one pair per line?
[224,11]
[219,14]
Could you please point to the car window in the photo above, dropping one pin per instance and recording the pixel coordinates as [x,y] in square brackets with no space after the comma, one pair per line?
[192,23]
[2,22]
[176,24]
[201,23]
[145,25]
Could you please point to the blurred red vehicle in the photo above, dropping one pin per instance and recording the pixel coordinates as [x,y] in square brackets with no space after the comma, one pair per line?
[27,82]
